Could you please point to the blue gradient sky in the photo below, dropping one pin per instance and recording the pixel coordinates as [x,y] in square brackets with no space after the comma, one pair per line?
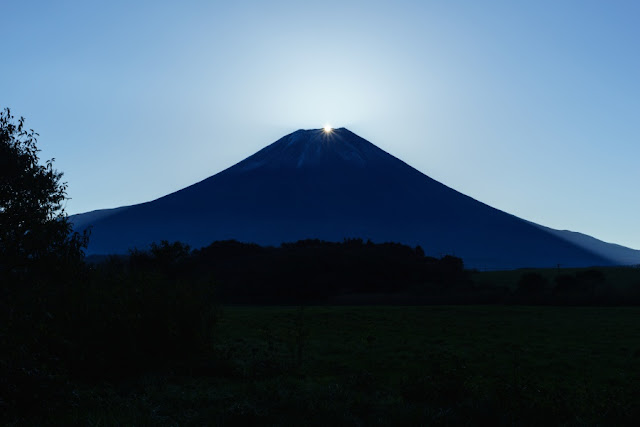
[531,107]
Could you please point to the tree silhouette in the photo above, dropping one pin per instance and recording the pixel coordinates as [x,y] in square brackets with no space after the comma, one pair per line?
[532,283]
[34,229]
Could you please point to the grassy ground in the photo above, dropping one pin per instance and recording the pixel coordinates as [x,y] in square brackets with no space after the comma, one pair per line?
[391,365]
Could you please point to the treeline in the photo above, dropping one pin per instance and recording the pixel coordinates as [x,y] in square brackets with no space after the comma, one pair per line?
[583,287]
[307,271]
[358,272]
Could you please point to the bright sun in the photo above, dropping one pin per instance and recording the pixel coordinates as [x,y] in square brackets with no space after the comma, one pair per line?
[327,129]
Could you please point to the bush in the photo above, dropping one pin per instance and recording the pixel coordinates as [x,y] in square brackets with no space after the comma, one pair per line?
[585,287]
[532,283]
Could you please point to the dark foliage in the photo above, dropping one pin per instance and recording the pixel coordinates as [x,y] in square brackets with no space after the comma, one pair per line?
[359,272]
[584,287]
[315,271]
[40,257]
[127,321]
[531,289]
[35,235]
[531,283]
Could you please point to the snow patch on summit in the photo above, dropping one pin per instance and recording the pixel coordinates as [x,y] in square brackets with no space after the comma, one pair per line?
[320,147]
[311,148]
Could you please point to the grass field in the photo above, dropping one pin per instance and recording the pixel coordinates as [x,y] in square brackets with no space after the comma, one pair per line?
[445,365]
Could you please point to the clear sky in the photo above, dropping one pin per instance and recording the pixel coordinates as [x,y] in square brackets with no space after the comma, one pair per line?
[532,107]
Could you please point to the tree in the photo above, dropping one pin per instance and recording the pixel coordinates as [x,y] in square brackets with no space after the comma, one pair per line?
[532,283]
[34,228]
[40,257]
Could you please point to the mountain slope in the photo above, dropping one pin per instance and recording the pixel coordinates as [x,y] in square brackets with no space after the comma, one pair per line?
[619,254]
[311,184]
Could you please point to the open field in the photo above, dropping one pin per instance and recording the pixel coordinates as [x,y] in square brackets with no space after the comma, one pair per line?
[444,365]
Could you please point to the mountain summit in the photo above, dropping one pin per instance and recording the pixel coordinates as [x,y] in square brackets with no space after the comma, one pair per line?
[316,148]
[331,186]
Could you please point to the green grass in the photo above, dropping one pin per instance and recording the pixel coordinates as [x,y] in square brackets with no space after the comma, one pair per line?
[454,365]
[598,346]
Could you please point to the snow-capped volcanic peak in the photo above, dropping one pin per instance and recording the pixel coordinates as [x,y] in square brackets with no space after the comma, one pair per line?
[332,185]
[315,148]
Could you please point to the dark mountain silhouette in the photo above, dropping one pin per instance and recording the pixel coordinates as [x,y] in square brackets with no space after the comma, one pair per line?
[331,186]
[618,253]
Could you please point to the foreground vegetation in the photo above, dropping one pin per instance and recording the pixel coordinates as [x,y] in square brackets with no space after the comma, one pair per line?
[444,365]
[153,339]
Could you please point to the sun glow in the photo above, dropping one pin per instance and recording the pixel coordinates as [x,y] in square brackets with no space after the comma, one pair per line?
[327,129]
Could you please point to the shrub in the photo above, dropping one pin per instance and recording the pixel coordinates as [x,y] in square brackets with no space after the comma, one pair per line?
[532,283]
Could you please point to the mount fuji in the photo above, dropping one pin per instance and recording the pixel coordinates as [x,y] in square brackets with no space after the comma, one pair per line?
[335,185]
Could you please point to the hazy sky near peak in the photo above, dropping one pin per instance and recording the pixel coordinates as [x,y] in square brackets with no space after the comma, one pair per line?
[530,107]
